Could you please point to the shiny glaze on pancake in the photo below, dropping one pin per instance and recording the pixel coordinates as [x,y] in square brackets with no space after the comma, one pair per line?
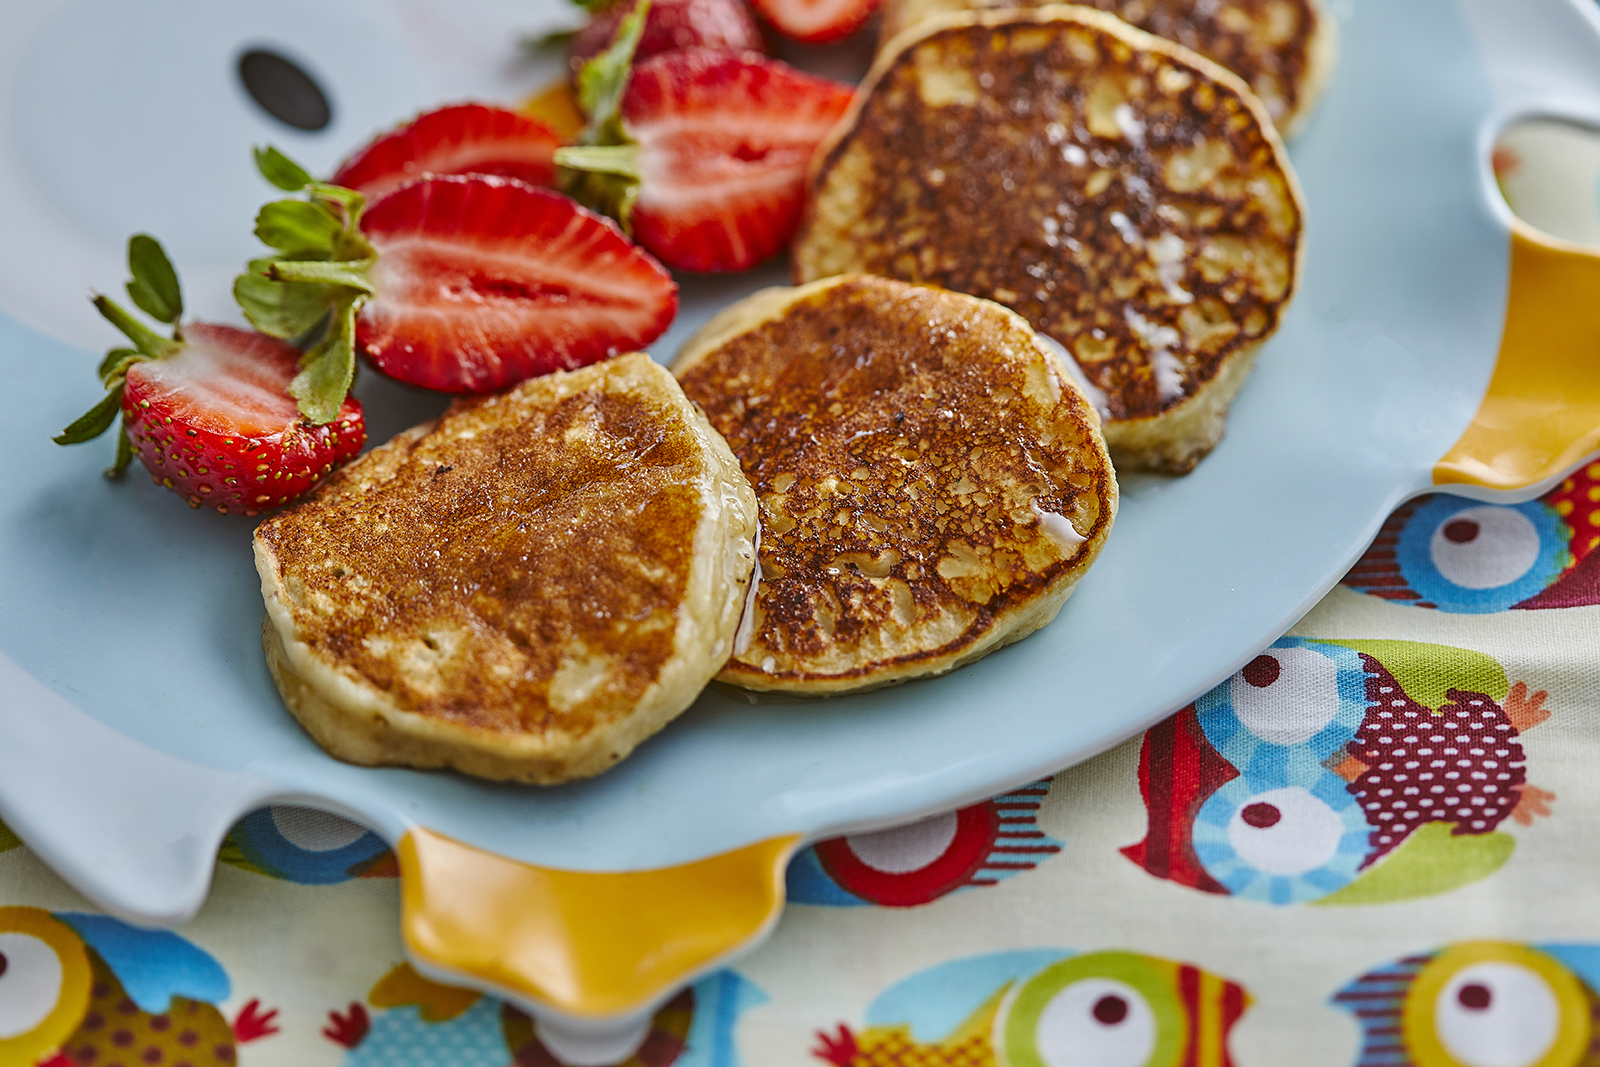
[1268,43]
[1121,194]
[898,439]
[513,568]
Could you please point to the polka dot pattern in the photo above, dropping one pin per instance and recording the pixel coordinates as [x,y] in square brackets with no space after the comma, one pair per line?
[1461,765]
[116,1033]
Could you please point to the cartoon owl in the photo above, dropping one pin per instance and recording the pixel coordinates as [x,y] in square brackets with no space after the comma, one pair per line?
[422,1022]
[1459,555]
[80,989]
[306,846]
[1340,772]
[1045,1006]
[919,863]
[1480,1003]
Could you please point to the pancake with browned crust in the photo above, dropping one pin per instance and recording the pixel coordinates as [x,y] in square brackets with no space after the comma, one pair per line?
[1283,49]
[524,589]
[932,483]
[1129,198]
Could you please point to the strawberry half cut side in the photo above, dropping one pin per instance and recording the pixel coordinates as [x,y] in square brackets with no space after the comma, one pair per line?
[215,422]
[816,21]
[481,282]
[463,139]
[723,142]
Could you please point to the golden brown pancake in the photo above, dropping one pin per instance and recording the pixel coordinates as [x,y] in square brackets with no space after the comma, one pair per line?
[1130,199]
[932,483]
[1283,49]
[524,589]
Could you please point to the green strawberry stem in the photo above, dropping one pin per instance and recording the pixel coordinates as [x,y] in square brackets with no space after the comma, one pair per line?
[618,159]
[316,283]
[603,80]
[150,344]
[154,288]
[352,273]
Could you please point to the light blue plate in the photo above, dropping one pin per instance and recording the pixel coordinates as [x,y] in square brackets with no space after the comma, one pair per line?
[138,721]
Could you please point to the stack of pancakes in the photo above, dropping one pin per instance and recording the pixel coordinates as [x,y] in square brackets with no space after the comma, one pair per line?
[857,481]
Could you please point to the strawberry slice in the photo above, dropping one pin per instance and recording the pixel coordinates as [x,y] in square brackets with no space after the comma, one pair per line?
[816,21]
[464,139]
[723,142]
[482,282]
[668,26]
[209,411]
[215,422]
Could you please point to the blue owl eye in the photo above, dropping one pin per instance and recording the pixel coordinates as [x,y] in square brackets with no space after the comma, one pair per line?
[1283,845]
[1286,696]
[31,977]
[1475,558]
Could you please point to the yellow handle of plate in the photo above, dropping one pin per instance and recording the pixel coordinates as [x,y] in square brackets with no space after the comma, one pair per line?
[588,944]
[1541,415]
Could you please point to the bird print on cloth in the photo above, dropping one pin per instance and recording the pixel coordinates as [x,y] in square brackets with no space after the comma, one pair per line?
[918,863]
[1480,1004]
[79,989]
[1460,555]
[1341,772]
[1045,1008]
[417,1022]
[306,846]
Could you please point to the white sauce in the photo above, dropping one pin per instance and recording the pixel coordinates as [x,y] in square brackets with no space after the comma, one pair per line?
[1058,528]
[747,621]
[1129,123]
[1159,339]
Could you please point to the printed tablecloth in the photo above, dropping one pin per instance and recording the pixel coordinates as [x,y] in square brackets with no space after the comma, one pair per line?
[1378,844]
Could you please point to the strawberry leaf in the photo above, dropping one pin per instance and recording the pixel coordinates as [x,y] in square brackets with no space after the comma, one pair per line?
[154,287]
[327,370]
[281,171]
[603,80]
[149,343]
[94,422]
[297,226]
[115,366]
[124,453]
[287,310]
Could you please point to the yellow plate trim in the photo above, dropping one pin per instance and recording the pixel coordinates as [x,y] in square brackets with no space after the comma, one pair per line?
[589,944]
[1541,415]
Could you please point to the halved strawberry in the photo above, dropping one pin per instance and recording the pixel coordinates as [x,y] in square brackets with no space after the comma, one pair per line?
[670,25]
[816,21]
[464,284]
[481,282]
[208,411]
[723,140]
[464,139]
[215,422]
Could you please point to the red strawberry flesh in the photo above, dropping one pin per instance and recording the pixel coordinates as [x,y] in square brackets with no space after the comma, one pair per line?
[483,282]
[670,25]
[464,139]
[215,422]
[724,139]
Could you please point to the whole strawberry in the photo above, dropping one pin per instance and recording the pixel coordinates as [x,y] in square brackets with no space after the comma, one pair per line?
[208,411]
[670,25]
